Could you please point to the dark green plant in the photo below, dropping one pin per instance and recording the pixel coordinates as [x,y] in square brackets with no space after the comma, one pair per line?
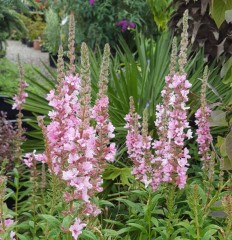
[52,31]
[96,24]
[162,11]
[209,26]
[9,22]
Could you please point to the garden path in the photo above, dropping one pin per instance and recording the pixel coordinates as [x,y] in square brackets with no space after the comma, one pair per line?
[27,55]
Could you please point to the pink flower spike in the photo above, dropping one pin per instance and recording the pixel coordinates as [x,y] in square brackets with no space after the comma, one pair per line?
[21,96]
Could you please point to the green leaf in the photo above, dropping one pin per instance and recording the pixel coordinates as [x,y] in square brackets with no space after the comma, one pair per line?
[88,235]
[51,221]
[209,234]
[228,16]
[105,203]
[228,143]
[21,237]
[125,230]
[226,72]
[138,226]
[110,232]
[218,118]
[218,9]
[66,222]
[114,222]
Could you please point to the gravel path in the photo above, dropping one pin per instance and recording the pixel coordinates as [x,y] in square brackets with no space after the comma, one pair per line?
[27,55]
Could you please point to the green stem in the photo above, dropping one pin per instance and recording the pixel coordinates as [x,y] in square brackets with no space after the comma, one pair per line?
[149,215]
[170,208]
[197,224]
[54,192]
[1,214]
[69,236]
[16,202]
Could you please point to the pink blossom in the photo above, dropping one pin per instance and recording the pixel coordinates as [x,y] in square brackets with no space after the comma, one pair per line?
[8,222]
[78,142]
[20,97]
[76,228]
[169,159]
[70,174]
[12,235]
[204,137]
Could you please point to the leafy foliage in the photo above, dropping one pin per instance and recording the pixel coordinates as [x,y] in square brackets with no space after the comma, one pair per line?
[97,23]
[208,27]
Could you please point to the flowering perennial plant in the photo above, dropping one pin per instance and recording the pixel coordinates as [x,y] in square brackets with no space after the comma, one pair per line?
[170,159]
[78,138]
[202,115]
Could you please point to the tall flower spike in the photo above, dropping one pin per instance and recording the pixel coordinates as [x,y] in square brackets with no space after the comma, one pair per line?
[104,72]
[173,60]
[104,127]
[71,43]
[60,65]
[148,157]
[183,44]
[85,89]
[202,115]
[20,98]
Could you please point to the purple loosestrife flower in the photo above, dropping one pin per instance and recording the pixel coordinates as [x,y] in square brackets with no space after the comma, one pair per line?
[138,145]
[91,2]
[170,160]
[20,97]
[124,24]
[171,123]
[78,138]
[202,115]
[76,228]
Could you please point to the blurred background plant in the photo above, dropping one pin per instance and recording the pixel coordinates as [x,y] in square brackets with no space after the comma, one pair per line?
[161,11]
[99,22]
[9,22]
[52,31]
[210,26]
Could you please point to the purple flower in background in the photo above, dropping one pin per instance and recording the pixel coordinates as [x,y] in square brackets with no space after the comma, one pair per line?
[131,25]
[124,24]
[91,2]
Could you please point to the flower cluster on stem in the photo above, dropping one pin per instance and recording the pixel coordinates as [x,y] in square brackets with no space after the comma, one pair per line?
[77,140]
[170,159]
[20,97]
[202,115]
[19,100]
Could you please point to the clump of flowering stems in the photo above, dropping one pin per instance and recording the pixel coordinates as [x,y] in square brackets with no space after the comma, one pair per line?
[19,100]
[7,143]
[169,161]
[202,115]
[77,141]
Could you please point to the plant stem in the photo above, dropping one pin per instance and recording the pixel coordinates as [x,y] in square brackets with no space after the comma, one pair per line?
[149,215]
[54,193]
[170,208]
